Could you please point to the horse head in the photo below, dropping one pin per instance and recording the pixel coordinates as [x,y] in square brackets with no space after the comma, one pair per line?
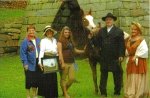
[88,22]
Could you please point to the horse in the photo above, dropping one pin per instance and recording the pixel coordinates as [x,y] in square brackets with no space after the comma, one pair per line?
[93,52]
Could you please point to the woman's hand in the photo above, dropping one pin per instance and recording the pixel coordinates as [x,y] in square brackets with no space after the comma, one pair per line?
[79,51]
[41,67]
[134,58]
[63,66]
[25,67]
[120,59]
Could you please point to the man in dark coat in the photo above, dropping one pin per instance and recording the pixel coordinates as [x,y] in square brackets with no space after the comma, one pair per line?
[110,40]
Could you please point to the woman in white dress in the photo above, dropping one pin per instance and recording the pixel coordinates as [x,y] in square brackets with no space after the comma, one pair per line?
[48,82]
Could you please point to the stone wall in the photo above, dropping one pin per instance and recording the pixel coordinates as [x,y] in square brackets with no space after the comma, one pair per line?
[10,36]
[42,13]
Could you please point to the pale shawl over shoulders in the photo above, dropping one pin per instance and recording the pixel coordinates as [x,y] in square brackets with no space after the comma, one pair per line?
[142,51]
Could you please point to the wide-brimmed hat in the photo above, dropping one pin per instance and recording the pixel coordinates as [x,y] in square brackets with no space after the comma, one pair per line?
[109,15]
[48,27]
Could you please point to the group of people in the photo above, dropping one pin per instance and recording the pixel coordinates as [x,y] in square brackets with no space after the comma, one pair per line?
[113,49]
[32,50]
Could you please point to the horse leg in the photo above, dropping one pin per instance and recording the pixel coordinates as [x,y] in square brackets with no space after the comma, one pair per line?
[94,74]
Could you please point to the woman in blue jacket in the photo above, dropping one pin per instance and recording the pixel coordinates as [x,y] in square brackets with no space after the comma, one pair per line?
[29,51]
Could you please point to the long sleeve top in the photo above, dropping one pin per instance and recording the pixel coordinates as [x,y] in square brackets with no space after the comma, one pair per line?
[29,52]
[47,45]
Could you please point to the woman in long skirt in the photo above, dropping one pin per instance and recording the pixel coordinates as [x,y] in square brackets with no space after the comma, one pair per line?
[48,81]
[137,54]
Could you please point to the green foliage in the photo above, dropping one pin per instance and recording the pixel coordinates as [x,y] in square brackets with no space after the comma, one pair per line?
[7,15]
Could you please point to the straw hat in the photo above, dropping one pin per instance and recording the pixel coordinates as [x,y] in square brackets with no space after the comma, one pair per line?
[48,27]
[138,26]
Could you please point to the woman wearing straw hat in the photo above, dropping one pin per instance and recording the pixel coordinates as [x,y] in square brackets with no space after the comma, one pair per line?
[137,53]
[48,82]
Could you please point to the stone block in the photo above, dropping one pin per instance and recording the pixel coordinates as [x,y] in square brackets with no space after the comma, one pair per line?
[124,12]
[53,12]
[24,28]
[145,31]
[55,5]
[126,29]
[42,20]
[145,23]
[46,12]
[100,14]
[36,6]
[147,17]
[127,0]
[46,6]
[1,26]
[129,5]
[87,7]
[136,19]
[126,21]
[18,26]
[40,27]
[4,37]
[32,20]
[109,0]
[31,13]
[44,1]
[138,12]
[51,1]
[33,1]
[113,5]
[98,6]
[86,1]
[29,7]
[94,1]
[19,21]
[11,30]
[11,43]
[7,25]
[145,5]
[1,51]
[141,18]
[25,20]
[116,12]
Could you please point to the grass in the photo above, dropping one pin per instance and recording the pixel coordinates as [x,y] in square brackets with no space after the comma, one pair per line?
[7,15]
[12,80]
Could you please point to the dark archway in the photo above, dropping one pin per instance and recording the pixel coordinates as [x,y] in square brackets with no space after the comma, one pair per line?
[70,14]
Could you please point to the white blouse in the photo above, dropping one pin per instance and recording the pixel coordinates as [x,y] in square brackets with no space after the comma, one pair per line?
[47,45]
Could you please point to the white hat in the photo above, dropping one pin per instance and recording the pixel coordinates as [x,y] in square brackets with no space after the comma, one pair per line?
[48,27]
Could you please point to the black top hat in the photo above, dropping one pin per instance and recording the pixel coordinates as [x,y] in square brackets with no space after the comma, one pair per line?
[109,15]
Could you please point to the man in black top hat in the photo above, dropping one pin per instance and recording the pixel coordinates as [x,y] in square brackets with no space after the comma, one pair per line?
[110,40]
